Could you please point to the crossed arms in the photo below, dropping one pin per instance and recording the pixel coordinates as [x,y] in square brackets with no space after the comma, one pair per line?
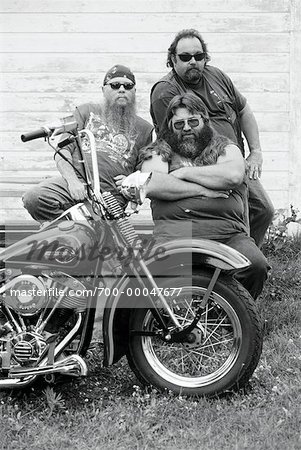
[211,181]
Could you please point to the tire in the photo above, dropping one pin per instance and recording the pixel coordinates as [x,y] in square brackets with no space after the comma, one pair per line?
[227,339]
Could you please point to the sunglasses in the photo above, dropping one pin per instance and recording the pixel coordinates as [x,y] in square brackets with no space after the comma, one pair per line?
[192,123]
[116,86]
[185,57]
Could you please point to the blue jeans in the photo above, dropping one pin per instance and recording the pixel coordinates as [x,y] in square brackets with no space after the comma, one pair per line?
[254,276]
[261,211]
[48,200]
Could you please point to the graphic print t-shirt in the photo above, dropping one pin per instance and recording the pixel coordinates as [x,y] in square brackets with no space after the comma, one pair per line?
[116,153]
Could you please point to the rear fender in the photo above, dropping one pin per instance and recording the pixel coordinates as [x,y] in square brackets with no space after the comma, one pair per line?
[170,260]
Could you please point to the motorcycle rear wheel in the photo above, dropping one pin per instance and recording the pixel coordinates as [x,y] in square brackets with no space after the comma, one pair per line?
[224,348]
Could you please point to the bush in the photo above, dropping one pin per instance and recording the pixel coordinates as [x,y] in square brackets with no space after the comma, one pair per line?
[283,240]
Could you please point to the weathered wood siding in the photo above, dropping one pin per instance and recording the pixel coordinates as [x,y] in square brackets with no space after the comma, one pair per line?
[54,55]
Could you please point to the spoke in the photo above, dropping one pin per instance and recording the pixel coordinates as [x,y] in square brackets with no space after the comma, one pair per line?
[190,360]
[194,360]
[223,336]
[191,354]
[182,360]
[163,351]
[201,358]
[189,309]
[176,362]
[201,354]
[217,343]
[217,324]
[182,319]
[217,338]
[166,346]
[197,360]
[197,355]
[206,320]
[211,327]
[213,331]
[205,316]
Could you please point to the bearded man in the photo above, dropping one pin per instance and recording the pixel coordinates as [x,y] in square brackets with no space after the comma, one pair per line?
[228,109]
[119,134]
[189,151]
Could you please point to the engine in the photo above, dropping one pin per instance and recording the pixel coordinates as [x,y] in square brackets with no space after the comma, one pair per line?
[33,308]
[25,295]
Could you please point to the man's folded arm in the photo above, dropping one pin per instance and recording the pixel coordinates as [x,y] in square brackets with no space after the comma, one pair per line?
[165,186]
[227,173]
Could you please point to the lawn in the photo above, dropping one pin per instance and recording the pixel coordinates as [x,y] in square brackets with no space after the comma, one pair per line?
[109,410]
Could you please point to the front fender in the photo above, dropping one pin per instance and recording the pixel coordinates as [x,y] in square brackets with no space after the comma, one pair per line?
[212,253]
[168,259]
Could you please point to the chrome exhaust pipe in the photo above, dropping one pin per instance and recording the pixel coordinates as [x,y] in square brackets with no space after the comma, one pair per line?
[15,383]
[71,365]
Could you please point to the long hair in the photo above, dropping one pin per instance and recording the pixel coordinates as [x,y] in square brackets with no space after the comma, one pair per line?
[194,105]
[214,149]
[189,101]
[187,33]
[209,156]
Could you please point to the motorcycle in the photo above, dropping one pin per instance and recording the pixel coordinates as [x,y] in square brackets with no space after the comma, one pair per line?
[176,311]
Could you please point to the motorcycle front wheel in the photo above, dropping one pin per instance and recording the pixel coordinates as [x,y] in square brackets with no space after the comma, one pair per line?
[219,355]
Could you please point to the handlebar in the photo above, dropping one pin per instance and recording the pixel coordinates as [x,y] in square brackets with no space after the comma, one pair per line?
[69,125]
[66,142]
[41,132]
[64,125]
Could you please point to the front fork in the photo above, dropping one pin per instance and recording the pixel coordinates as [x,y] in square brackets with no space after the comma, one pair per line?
[181,331]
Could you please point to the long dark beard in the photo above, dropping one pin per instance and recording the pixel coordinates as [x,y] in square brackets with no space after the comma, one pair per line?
[191,148]
[121,119]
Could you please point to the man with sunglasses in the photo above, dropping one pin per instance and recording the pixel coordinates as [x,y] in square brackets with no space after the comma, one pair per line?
[228,109]
[191,155]
[119,134]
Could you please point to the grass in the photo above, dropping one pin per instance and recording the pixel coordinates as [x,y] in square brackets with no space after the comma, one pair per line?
[109,410]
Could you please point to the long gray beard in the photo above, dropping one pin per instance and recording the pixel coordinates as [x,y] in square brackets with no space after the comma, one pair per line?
[121,119]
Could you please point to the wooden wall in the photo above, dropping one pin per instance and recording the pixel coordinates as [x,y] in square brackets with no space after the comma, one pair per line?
[54,55]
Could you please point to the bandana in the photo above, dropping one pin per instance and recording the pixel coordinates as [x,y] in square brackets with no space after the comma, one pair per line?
[119,71]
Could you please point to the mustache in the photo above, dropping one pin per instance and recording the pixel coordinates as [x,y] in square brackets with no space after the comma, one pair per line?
[190,149]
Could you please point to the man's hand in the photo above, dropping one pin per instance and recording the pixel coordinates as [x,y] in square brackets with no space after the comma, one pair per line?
[179,173]
[119,179]
[254,164]
[210,193]
[133,187]
[77,190]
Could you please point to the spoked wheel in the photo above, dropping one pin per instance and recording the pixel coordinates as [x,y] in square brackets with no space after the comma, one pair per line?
[219,354]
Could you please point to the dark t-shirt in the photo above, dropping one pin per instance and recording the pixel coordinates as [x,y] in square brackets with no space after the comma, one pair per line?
[116,153]
[199,217]
[216,91]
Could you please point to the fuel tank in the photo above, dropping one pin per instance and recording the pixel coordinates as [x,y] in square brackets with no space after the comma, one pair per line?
[65,245]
